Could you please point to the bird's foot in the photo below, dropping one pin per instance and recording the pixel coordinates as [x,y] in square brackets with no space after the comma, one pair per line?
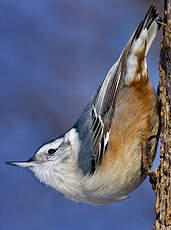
[147,164]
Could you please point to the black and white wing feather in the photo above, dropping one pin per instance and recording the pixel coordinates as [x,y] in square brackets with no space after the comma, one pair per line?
[102,111]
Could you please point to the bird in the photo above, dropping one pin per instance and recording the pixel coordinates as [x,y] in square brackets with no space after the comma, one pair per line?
[110,149]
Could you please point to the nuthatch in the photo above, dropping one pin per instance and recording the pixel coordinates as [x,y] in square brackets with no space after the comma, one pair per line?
[104,156]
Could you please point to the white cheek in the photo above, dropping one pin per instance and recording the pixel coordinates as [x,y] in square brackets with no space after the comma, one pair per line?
[73,138]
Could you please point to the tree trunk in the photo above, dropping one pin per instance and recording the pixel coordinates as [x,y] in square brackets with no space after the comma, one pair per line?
[163,186]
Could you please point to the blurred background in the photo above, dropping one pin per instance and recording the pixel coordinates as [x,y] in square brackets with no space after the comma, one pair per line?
[53,55]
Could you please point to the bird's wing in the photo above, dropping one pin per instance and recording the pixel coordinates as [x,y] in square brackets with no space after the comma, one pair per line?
[94,123]
[102,110]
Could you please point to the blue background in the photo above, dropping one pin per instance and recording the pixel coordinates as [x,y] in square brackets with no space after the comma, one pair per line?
[53,55]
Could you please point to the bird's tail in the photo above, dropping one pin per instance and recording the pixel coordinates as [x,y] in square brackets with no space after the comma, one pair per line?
[138,46]
[147,30]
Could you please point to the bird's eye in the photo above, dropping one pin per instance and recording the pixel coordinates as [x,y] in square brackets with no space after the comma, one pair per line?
[51,151]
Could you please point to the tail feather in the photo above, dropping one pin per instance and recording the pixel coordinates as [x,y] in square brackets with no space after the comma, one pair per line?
[136,67]
[146,30]
[151,15]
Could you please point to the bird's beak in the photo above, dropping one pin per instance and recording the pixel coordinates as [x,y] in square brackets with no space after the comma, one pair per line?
[24,164]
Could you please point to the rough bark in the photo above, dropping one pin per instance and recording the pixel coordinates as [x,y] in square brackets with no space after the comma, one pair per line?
[163,186]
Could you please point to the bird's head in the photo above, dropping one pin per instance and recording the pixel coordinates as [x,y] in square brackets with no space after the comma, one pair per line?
[48,161]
